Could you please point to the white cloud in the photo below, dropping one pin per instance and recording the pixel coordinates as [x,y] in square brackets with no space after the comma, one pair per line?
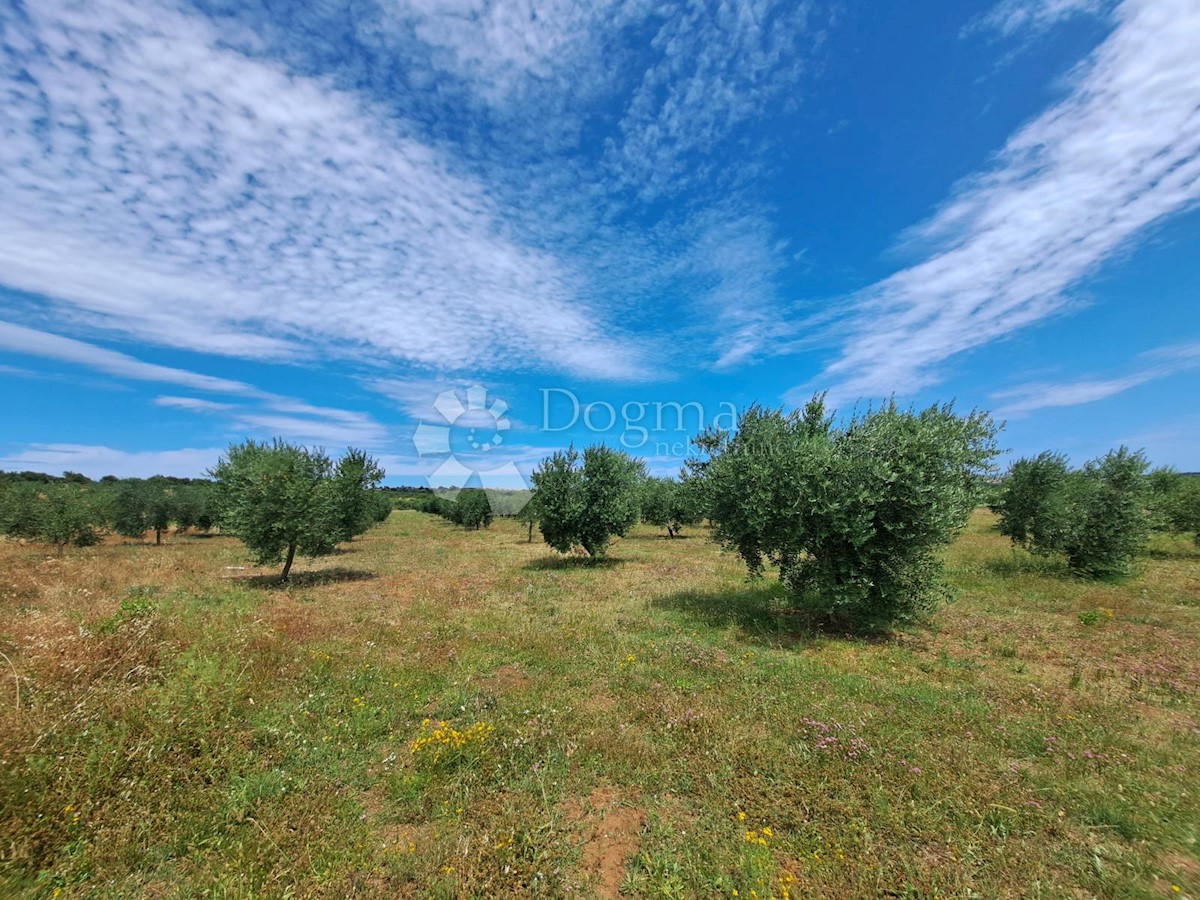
[719,66]
[194,404]
[18,372]
[414,396]
[96,461]
[597,111]
[1160,363]
[362,433]
[258,411]
[1069,190]
[1031,16]
[165,185]
[499,48]
[1171,444]
[19,339]
[741,260]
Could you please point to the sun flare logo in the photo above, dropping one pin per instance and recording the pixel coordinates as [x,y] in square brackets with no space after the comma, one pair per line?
[470,427]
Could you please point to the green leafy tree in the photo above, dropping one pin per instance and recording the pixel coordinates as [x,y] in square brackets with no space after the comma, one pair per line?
[1181,508]
[1109,521]
[63,514]
[854,516]
[70,514]
[1183,512]
[141,505]
[1033,503]
[1174,502]
[381,507]
[670,504]
[473,509]
[281,499]
[191,507]
[1099,516]
[527,515]
[586,501]
[19,514]
[352,487]
[129,509]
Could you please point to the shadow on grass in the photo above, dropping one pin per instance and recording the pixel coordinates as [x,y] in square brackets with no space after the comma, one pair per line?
[768,614]
[567,563]
[1174,554]
[1020,562]
[336,575]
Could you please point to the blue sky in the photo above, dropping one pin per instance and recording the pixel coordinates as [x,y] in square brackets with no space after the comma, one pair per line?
[229,219]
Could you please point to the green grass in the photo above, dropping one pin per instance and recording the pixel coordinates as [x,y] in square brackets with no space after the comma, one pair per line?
[657,725]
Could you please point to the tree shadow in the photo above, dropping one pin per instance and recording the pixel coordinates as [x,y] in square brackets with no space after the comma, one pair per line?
[1022,563]
[566,563]
[336,575]
[767,614]
[1173,554]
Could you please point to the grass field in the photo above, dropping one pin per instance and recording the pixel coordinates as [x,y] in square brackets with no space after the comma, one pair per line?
[654,726]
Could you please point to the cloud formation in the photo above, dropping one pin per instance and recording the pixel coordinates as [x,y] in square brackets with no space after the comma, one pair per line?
[175,189]
[259,412]
[1013,17]
[1160,363]
[1071,189]
[454,191]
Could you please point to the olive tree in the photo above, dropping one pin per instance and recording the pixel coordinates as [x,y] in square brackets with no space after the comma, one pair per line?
[281,499]
[1175,502]
[62,514]
[586,500]
[19,516]
[853,515]
[472,509]
[670,504]
[1183,513]
[1098,516]
[527,515]
[1032,504]
[140,505]
[1109,519]
[352,487]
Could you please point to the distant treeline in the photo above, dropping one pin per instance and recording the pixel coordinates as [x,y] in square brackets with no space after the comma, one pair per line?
[72,509]
[77,478]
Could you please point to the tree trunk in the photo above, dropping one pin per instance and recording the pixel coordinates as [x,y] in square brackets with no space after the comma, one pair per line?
[157,537]
[287,565]
[530,533]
